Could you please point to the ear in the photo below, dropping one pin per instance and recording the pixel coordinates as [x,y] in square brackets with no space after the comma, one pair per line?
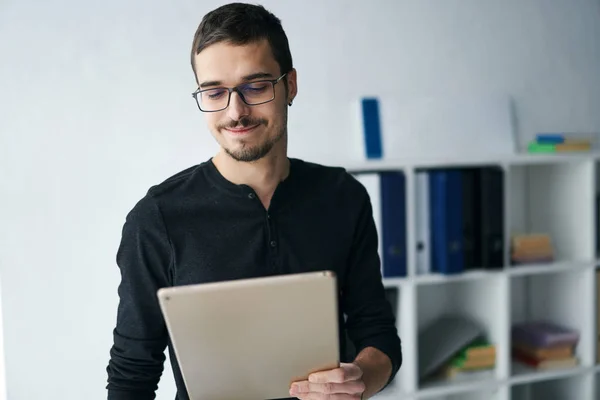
[292,85]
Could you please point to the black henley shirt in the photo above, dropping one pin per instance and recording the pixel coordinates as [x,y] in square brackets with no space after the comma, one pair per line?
[198,227]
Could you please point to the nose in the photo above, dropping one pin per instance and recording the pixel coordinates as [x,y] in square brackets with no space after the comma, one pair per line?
[237,108]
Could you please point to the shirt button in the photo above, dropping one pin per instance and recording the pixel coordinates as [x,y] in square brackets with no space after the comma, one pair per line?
[250,195]
[273,243]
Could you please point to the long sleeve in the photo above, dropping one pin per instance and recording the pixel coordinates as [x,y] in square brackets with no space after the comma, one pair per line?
[370,319]
[140,337]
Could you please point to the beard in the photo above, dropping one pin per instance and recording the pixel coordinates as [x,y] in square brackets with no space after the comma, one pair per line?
[250,153]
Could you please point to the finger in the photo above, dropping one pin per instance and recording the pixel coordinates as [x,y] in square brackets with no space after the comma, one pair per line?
[346,372]
[353,371]
[350,387]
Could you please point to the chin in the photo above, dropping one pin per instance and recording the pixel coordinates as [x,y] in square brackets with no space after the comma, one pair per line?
[248,153]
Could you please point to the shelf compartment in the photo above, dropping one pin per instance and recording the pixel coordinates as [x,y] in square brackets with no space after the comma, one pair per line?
[554,297]
[481,302]
[555,199]
[577,385]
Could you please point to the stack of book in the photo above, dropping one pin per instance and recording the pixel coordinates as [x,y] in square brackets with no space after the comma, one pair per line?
[531,248]
[544,345]
[478,356]
[451,345]
[559,143]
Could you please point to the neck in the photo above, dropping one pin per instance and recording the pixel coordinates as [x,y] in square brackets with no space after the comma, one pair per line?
[262,175]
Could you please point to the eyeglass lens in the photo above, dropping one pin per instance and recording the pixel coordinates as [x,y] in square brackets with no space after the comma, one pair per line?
[252,93]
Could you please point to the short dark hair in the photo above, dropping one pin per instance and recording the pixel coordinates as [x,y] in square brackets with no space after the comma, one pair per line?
[239,24]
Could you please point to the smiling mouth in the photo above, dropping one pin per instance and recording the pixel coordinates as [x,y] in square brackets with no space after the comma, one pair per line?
[240,131]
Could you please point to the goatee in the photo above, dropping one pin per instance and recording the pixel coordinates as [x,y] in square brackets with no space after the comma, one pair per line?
[253,153]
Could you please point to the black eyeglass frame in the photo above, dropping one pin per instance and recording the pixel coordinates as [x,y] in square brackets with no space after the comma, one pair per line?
[236,89]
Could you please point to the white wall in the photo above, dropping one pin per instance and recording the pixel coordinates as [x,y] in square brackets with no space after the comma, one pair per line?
[95,107]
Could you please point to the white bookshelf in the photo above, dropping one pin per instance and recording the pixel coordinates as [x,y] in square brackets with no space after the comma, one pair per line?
[551,193]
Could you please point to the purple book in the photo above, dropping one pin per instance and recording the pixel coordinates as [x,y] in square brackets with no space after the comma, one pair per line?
[543,334]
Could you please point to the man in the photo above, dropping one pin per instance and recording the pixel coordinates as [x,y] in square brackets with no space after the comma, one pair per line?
[250,211]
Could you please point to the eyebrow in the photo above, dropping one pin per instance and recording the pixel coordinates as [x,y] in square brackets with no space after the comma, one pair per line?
[247,78]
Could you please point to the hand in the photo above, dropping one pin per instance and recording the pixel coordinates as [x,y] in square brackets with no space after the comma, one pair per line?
[343,383]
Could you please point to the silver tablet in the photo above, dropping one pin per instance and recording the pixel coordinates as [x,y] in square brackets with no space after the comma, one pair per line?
[251,338]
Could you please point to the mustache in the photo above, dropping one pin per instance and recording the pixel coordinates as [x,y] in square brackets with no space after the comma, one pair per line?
[242,123]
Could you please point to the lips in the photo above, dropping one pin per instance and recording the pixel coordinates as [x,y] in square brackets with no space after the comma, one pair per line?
[241,131]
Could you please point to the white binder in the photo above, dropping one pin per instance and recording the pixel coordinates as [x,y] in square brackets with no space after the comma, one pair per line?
[423,251]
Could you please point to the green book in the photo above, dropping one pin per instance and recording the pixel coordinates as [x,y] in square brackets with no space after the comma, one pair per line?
[567,146]
[535,147]
[462,355]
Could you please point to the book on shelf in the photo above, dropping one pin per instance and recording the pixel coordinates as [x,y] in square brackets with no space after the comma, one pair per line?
[423,250]
[544,344]
[491,188]
[393,223]
[560,143]
[531,248]
[447,251]
[447,339]
[459,219]
[544,363]
[387,192]
[549,353]
[371,127]
[542,333]
[471,224]
[478,356]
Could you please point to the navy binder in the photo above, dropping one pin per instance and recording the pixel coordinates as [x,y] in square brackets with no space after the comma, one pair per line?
[446,222]
[393,223]
[492,217]
[471,218]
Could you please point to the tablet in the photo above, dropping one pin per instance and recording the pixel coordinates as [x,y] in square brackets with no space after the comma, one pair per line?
[251,338]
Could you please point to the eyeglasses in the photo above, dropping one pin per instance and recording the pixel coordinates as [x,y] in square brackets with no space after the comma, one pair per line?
[251,93]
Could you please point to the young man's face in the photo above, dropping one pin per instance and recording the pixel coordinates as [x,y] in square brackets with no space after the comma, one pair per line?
[245,132]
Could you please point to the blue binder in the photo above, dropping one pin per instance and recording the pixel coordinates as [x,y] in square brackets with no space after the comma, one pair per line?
[393,223]
[446,213]
[371,127]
